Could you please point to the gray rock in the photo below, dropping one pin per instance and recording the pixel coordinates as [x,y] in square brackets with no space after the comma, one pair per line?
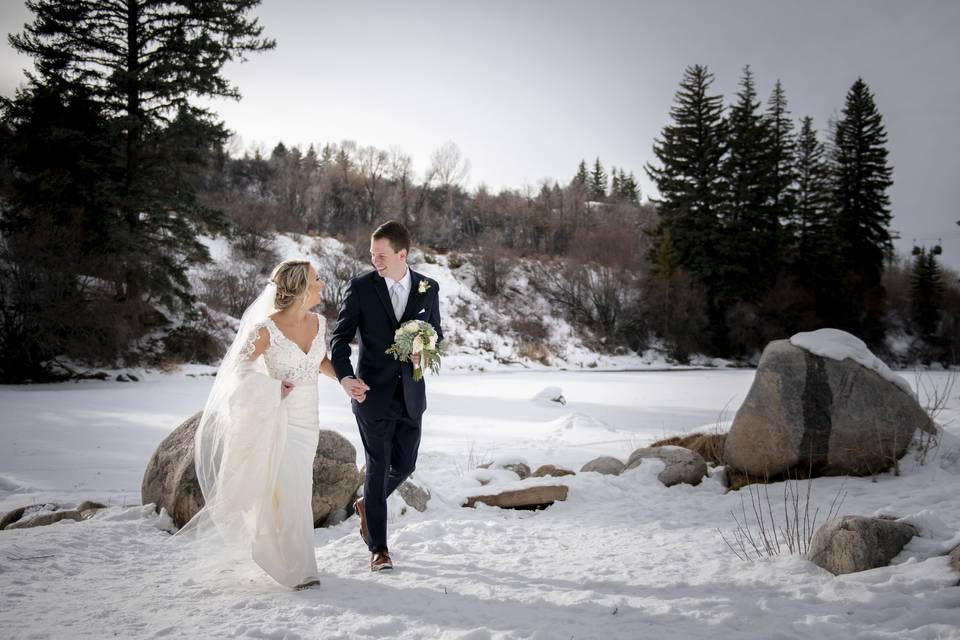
[536,497]
[810,412]
[606,465]
[683,465]
[16,520]
[551,470]
[414,494]
[15,515]
[170,480]
[855,543]
[522,470]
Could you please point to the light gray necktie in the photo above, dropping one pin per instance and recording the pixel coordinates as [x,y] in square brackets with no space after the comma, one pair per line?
[396,297]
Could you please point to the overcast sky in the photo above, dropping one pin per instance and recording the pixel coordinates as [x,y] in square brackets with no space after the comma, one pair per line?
[528,88]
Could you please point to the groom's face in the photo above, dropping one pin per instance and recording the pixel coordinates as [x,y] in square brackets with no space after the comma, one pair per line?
[388,263]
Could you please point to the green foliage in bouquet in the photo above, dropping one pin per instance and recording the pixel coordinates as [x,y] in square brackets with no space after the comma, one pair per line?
[417,336]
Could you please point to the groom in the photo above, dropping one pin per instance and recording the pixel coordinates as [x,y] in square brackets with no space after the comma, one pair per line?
[386,401]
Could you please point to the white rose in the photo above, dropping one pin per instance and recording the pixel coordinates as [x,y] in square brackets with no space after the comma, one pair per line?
[410,328]
[432,343]
[417,345]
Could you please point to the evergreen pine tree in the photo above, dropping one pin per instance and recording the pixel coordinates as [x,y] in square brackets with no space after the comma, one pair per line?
[311,163]
[927,291]
[690,150]
[327,154]
[139,65]
[631,190]
[861,177]
[581,177]
[598,182]
[811,250]
[616,188]
[143,62]
[782,150]
[749,248]
[54,240]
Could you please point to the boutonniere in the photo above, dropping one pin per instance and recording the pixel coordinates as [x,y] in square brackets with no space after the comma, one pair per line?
[423,286]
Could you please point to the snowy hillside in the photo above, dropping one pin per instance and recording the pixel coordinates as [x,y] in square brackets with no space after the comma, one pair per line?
[481,332]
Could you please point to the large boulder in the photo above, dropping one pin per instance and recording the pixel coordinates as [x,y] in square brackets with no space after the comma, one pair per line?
[855,543]
[535,497]
[607,465]
[683,465]
[335,476]
[170,480]
[822,415]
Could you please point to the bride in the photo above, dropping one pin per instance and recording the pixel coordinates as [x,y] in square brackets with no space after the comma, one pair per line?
[256,441]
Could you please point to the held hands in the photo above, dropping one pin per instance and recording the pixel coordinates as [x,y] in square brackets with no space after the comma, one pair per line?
[355,388]
[285,389]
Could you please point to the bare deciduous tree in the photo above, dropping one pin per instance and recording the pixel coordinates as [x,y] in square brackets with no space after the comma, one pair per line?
[372,163]
[400,171]
[336,270]
[448,167]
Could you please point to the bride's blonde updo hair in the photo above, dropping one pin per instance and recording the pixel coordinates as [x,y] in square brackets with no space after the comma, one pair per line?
[291,278]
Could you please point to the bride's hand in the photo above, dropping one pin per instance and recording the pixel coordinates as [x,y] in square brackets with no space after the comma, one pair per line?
[415,359]
[285,389]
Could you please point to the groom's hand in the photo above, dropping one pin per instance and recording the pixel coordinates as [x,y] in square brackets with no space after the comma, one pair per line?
[415,359]
[355,388]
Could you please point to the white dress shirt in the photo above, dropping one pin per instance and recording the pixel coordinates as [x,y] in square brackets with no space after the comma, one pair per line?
[404,291]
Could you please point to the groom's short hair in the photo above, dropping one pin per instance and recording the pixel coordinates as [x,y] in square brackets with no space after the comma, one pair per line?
[396,233]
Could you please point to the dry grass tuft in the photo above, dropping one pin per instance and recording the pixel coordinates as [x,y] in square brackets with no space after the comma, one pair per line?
[708,445]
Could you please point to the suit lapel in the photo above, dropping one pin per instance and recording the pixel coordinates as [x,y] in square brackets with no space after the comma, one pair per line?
[380,285]
[410,309]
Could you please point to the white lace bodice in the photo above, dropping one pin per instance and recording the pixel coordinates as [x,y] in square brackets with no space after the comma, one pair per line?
[286,361]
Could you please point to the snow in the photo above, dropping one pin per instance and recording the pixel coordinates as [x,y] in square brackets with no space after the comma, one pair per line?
[839,345]
[622,557]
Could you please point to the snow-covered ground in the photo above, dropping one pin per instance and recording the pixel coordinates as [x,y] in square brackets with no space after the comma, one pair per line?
[623,557]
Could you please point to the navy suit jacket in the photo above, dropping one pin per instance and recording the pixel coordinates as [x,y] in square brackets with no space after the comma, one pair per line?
[366,308]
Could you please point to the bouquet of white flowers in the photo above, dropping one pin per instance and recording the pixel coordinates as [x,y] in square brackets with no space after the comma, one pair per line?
[417,336]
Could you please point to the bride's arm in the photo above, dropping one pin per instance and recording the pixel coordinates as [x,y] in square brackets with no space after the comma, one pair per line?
[326,368]
[256,347]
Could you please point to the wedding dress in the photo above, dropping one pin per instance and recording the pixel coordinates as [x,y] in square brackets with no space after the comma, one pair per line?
[254,454]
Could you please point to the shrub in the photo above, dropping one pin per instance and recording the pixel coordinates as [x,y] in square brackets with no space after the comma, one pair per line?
[192,344]
[530,328]
[230,290]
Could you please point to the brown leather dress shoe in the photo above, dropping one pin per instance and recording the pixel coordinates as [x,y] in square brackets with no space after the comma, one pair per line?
[362,514]
[380,560]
